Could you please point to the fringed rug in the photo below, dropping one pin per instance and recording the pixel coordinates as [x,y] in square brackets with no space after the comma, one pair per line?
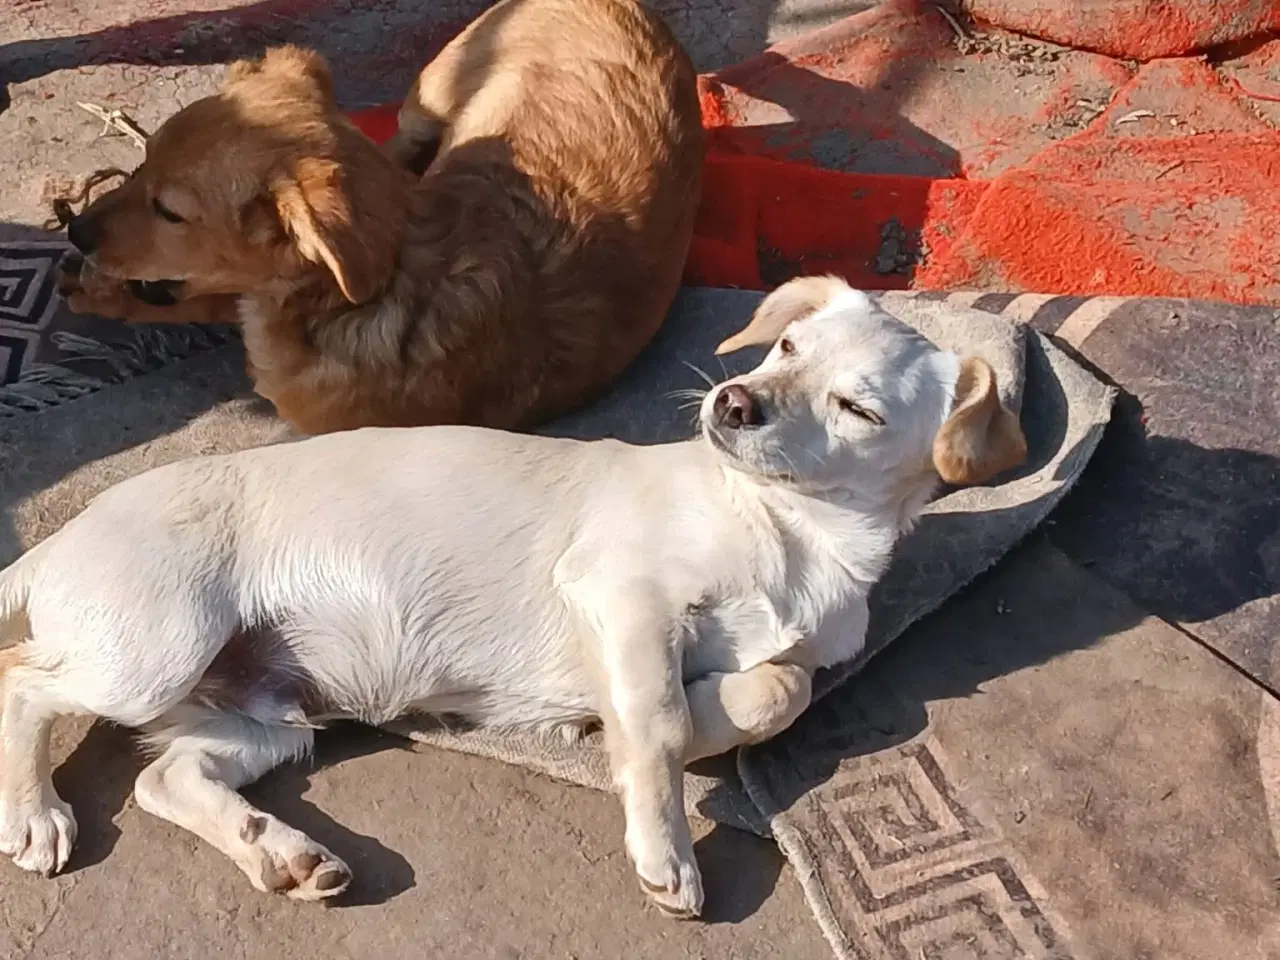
[49,355]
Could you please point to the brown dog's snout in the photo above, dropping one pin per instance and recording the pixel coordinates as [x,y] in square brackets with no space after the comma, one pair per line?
[734,407]
[84,233]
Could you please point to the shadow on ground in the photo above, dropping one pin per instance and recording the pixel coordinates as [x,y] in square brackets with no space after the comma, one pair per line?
[376,48]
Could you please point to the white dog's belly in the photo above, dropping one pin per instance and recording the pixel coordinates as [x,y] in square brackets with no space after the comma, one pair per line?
[374,663]
[513,709]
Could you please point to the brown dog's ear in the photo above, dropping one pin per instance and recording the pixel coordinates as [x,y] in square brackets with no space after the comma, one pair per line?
[287,62]
[980,438]
[318,214]
[792,301]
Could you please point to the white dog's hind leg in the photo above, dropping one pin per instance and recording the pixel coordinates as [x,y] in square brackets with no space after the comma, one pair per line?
[210,755]
[735,709]
[37,828]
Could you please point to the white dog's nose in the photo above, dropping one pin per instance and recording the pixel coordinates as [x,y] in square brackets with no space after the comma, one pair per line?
[734,407]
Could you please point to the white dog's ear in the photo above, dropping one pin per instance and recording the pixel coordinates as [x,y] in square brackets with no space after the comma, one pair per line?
[980,438]
[792,301]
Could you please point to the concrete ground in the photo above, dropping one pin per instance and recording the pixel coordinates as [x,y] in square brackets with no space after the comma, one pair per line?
[1100,708]
[454,857]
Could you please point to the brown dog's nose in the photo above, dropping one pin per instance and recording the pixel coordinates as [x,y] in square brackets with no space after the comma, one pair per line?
[83,234]
[734,407]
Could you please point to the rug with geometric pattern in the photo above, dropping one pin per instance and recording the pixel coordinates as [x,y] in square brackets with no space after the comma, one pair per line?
[49,354]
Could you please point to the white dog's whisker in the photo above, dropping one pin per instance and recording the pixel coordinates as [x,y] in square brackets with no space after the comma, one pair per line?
[814,455]
[694,396]
[702,373]
[795,471]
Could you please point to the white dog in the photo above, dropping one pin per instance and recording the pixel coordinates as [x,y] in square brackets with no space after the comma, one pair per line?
[683,594]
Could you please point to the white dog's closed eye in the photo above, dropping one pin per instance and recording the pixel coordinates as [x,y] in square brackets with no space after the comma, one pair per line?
[863,411]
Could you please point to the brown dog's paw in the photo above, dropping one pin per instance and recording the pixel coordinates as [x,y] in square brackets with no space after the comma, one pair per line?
[114,307]
[87,291]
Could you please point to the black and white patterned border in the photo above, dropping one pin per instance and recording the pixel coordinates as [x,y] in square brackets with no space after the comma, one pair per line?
[917,873]
[28,301]
[1067,318]
[79,362]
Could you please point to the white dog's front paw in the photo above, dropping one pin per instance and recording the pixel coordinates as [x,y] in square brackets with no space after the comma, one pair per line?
[674,885]
[40,839]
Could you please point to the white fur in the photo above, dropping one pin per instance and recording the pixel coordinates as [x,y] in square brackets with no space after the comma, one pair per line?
[682,593]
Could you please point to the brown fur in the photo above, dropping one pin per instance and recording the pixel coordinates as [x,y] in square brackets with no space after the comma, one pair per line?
[511,283]
[981,438]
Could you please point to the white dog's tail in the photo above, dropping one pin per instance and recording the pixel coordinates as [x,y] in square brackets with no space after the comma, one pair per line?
[15,588]
[9,657]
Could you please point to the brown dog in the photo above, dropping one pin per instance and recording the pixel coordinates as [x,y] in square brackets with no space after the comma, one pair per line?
[509,284]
